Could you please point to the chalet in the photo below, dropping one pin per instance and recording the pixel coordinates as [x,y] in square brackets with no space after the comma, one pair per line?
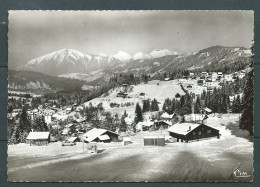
[121,94]
[207,110]
[222,83]
[161,124]
[100,135]
[200,82]
[220,74]
[47,119]
[189,86]
[73,139]
[65,131]
[144,125]
[209,88]
[208,80]
[166,116]
[186,132]
[38,138]
[68,110]
[204,74]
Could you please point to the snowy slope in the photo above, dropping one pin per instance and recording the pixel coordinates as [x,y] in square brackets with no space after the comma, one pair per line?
[159,90]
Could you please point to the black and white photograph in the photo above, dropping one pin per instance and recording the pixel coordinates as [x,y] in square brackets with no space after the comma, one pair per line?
[130,96]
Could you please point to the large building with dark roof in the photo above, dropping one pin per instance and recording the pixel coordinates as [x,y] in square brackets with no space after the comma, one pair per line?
[186,132]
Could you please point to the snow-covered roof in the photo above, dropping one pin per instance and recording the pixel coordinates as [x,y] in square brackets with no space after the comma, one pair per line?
[207,109]
[72,139]
[129,120]
[145,123]
[165,121]
[65,131]
[95,133]
[38,135]
[183,128]
[167,116]
[70,125]
[104,137]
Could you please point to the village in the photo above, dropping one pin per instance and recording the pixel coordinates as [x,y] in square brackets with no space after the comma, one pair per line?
[69,121]
[116,122]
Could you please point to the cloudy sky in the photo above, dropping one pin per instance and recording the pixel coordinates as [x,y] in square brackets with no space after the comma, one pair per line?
[35,33]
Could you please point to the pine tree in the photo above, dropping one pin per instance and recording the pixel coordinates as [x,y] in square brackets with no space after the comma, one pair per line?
[154,105]
[125,114]
[25,124]
[246,120]
[138,113]
[236,107]
[146,105]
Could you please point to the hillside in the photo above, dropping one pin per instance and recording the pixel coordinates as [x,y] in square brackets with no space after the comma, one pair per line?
[39,82]
[153,89]
[211,59]
[96,70]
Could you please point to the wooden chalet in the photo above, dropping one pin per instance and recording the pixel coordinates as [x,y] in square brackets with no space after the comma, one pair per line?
[38,138]
[207,110]
[186,132]
[162,124]
[120,94]
[100,135]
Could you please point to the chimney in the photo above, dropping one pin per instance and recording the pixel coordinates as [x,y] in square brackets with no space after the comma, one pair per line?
[189,128]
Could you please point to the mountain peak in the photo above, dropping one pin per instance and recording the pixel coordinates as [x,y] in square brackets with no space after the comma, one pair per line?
[141,56]
[123,56]
[157,53]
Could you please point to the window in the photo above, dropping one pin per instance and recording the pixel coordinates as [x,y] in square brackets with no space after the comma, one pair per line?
[199,132]
[208,131]
[194,133]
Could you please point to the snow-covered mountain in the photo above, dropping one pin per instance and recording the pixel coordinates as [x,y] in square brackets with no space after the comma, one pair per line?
[157,53]
[210,59]
[72,64]
[141,56]
[68,61]
[122,56]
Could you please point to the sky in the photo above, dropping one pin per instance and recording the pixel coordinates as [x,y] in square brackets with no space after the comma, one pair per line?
[36,33]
